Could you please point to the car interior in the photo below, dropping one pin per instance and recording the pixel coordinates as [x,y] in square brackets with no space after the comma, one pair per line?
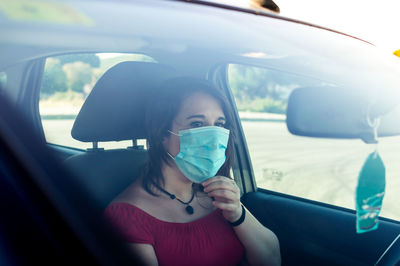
[63,190]
[307,230]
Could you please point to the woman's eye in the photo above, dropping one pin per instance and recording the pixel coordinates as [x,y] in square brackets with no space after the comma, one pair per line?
[196,124]
[219,124]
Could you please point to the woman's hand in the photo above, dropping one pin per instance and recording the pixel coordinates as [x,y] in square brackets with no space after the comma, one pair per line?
[260,243]
[226,194]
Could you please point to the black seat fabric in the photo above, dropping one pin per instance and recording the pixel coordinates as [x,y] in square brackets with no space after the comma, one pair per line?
[114,111]
[107,173]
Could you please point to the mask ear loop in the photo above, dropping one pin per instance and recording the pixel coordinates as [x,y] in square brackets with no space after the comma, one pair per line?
[173,133]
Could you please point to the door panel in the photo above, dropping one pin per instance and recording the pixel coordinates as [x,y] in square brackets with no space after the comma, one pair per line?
[64,152]
[312,233]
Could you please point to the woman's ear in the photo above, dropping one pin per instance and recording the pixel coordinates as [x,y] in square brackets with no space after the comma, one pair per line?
[165,138]
[171,143]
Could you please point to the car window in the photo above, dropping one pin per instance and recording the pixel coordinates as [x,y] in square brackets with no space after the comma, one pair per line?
[3,82]
[3,79]
[67,81]
[325,170]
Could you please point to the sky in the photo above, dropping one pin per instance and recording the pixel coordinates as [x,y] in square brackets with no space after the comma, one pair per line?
[375,21]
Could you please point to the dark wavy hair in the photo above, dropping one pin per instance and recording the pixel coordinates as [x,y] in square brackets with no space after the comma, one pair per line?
[160,114]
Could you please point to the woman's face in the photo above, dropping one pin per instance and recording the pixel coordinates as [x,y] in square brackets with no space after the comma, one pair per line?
[198,110]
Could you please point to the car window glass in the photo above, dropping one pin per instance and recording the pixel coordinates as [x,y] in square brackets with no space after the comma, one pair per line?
[325,170]
[66,82]
[3,79]
[3,82]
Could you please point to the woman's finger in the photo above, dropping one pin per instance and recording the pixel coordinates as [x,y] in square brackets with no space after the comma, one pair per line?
[215,178]
[221,184]
[228,207]
[227,195]
[225,200]
[218,185]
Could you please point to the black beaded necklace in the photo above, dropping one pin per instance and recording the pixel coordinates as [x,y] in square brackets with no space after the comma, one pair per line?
[189,209]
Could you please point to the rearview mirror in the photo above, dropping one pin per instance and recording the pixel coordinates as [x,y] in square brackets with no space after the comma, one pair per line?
[333,112]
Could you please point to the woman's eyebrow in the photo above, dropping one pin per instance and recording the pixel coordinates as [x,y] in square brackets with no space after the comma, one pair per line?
[195,116]
[203,117]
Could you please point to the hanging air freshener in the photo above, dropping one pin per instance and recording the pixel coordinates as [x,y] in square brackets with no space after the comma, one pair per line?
[370,189]
[369,193]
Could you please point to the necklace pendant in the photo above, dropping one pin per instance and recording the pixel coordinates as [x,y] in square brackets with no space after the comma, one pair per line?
[189,209]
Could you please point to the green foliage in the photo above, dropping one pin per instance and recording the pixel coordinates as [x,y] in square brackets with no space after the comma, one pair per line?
[91,59]
[78,75]
[265,105]
[3,79]
[258,89]
[263,90]
[79,72]
[69,96]
[68,72]
[106,63]
[54,79]
[250,83]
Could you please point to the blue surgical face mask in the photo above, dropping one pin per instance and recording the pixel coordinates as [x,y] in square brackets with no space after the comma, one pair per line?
[202,152]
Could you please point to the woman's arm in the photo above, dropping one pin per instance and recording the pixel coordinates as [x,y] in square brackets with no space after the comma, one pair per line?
[146,253]
[260,243]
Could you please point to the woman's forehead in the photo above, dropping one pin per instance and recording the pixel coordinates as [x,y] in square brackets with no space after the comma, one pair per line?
[200,103]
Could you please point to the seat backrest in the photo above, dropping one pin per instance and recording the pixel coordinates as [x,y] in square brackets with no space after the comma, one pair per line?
[114,111]
[108,172]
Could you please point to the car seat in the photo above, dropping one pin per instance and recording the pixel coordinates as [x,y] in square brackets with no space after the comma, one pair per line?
[114,111]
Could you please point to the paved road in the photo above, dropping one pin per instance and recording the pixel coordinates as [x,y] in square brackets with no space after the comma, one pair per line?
[320,169]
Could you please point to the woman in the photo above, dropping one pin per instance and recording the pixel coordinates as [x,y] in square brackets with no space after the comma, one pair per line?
[185,209]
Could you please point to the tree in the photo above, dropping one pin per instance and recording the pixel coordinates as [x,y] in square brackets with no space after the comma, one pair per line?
[54,78]
[92,59]
[68,72]
[3,79]
[78,74]
[262,90]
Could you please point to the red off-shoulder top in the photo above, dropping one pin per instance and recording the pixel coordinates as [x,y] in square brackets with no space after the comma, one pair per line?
[207,241]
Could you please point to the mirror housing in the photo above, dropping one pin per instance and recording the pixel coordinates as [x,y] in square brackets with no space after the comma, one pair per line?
[334,112]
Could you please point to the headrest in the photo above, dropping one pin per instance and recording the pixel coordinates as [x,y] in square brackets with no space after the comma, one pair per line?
[115,108]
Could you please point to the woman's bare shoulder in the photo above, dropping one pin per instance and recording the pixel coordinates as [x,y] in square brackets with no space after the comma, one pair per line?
[132,194]
[136,195]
